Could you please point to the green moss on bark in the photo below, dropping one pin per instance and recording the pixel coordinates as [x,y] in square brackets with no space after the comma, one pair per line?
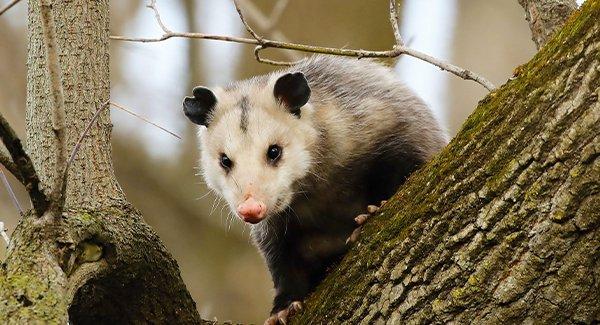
[480,154]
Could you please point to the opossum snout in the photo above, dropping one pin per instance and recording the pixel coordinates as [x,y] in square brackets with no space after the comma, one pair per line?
[252,210]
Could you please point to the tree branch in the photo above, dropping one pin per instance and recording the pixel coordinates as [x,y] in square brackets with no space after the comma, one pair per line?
[87,129]
[248,28]
[10,166]
[545,17]
[263,43]
[394,21]
[23,165]
[267,25]
[11,193]
[58,110]
[130,112]
[8,6]
[259,39]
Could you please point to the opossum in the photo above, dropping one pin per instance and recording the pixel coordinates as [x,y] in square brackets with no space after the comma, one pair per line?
[298,153]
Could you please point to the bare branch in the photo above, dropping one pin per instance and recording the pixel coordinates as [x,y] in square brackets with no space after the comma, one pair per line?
[271,62]
[395,22]
[11,193]
[58,110]
[545,17]
[359,53]
[123,108]
[447,66]
[26,171]
[87,129]
[10,166]
[248,28]
[152,5]
[8,6]
[267,24]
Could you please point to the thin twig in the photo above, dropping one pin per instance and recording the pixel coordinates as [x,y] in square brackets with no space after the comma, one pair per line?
[359,53]
[144,119]
[75,150]
[11,193]
[8,6]
[58,107]
[26,171]
[4,234]
[152,5]
[271,62]
[395,22]
[265,24]
[248,28]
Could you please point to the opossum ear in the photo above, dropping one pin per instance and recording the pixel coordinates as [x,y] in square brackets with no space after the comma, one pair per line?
[293,91]
[199,107]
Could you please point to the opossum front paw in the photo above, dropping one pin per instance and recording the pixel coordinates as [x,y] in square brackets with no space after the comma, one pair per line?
[360,221]
[281,317]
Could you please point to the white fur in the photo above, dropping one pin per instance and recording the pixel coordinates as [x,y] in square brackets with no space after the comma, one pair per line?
[269,124]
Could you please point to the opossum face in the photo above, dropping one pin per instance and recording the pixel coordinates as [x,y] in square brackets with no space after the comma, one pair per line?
[256,142]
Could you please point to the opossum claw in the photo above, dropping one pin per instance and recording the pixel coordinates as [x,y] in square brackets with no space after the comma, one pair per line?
[360,221]
[281,317]
[354,236]
[372,209]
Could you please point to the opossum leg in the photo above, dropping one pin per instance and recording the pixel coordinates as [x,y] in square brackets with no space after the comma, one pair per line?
[360,221]
[281,317]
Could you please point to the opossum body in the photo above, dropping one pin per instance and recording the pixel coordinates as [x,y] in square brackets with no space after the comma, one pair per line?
[299,153]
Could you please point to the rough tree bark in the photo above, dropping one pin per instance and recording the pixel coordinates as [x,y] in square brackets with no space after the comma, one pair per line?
[503,226]
[100,262]
[545,17]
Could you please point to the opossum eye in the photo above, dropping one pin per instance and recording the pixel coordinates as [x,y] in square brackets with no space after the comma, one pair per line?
[226,163]
[274,153]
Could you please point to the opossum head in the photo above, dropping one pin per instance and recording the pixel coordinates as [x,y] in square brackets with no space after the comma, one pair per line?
[256,140]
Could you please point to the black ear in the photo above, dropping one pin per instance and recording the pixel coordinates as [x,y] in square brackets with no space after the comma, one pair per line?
[198,108]
[292,90]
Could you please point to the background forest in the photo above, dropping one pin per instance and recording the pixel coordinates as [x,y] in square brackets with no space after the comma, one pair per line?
[222,270]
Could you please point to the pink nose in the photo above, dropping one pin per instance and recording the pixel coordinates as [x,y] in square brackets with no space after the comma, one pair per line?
[252,210]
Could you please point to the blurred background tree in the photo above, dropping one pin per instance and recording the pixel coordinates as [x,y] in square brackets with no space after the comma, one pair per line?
[158,171]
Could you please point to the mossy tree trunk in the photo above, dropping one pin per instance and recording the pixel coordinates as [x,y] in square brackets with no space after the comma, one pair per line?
[100,262]
[503,226]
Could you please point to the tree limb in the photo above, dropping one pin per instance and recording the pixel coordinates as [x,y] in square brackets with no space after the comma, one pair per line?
[12,195]
[503,226]
[57,194]
[10,166]
[22,164]
[8,6]
[545,17]
[267,25]
[263,43]
[395,22]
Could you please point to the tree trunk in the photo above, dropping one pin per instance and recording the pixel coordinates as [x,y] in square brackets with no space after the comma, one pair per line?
[100,262]
[501,227]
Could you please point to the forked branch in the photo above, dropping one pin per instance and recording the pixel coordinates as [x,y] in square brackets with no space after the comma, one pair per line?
[8,6]
[263,43]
